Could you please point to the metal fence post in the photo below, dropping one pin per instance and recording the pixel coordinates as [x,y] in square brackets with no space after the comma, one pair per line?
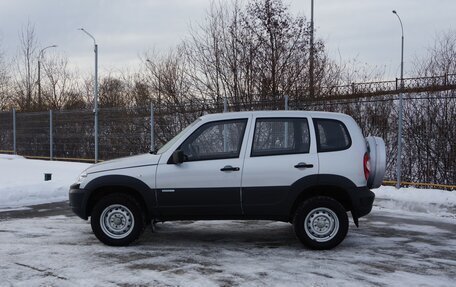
[96,133]
[14,131]
[399,141]
[152,130]
[225,104]
[51,140]
[286,124]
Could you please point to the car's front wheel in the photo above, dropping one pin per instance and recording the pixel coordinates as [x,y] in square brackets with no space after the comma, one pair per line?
[117,220]
[320,222]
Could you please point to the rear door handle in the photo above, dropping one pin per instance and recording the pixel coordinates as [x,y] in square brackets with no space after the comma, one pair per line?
[303,165]
[229,168]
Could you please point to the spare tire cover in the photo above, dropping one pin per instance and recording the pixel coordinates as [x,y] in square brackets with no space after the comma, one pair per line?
[377,154]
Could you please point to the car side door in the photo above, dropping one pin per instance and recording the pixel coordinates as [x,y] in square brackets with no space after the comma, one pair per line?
[280,154]
[207,184]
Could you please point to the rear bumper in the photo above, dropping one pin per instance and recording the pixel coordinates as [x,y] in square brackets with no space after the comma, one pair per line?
[362,200]
[77,200]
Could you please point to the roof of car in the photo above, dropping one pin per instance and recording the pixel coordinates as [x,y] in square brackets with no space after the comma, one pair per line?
[234,115]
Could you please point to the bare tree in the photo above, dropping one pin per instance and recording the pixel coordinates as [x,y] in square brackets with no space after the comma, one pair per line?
[112,92]
[430,152]
[256,52]
[25,63]
[5,91]
[59,84]
[140,91]
[441,57]
[281,45]
[172,92]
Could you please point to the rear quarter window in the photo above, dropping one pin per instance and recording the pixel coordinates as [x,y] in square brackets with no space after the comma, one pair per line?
[332,135]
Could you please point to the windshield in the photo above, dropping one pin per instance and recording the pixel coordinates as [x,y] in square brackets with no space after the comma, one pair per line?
[177,137]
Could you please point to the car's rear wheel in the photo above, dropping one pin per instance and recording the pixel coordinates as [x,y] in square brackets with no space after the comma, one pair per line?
[117,220]
[320,223]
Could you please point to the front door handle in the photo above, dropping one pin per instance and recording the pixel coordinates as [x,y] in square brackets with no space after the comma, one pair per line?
[303,165]
[229,168]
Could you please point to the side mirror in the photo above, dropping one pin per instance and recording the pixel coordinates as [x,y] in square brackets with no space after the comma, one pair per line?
[178,156]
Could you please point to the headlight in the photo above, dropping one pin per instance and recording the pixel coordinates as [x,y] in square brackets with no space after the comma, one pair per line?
[81,178]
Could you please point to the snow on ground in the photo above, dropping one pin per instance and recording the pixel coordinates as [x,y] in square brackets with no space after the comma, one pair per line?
[389,249]
[22,180]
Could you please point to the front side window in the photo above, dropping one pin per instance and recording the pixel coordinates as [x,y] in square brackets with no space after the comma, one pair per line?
[332,135]
[177,137]
[276,136]
[216,140]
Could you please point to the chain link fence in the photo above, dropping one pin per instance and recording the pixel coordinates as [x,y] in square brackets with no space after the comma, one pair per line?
[429,152]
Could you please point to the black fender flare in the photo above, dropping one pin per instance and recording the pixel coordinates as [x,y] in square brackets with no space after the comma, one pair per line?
[145,192]
[305,185]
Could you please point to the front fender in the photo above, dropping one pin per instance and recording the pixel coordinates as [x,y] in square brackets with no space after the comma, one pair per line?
[147,194]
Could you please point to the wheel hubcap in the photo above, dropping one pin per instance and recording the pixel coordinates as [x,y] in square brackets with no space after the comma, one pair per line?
[321,224]
[117,221]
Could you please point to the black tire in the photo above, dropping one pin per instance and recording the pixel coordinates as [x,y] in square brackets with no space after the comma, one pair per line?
[117,219]
[327,223]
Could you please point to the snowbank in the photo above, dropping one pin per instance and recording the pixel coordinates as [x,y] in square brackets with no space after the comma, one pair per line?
[433,201]
[22,180]
[10,156]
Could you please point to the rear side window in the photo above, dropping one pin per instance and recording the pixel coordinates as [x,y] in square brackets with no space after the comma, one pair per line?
[278,136]
[332,135]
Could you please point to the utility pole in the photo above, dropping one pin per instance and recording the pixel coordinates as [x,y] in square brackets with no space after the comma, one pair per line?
[95,92]
[311,54]
[399,133]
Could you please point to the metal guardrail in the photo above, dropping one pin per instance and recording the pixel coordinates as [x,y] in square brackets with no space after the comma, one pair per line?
[384,88]
[74,159]
[407,183]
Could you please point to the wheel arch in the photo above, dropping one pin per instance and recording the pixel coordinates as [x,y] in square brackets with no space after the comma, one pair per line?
[110,184]
[333,186]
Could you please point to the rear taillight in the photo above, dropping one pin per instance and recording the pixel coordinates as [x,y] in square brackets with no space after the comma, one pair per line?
[366,165]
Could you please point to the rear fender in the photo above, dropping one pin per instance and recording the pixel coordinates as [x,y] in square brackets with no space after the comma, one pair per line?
[335,186]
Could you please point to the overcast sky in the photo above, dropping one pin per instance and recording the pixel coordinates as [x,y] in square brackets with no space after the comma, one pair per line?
[362,29]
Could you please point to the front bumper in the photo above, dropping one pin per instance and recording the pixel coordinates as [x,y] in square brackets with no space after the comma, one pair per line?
[77,198]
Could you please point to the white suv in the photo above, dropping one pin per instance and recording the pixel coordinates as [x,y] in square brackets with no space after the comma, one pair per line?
[307,168]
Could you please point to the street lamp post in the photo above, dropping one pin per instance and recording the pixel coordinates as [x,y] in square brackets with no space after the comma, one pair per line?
[399,136]
[95,98]
[40,56]
[152,122]
[311,54]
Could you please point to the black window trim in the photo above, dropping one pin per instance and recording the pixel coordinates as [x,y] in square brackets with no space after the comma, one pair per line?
[317,135]
[279,118]
[244,120]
